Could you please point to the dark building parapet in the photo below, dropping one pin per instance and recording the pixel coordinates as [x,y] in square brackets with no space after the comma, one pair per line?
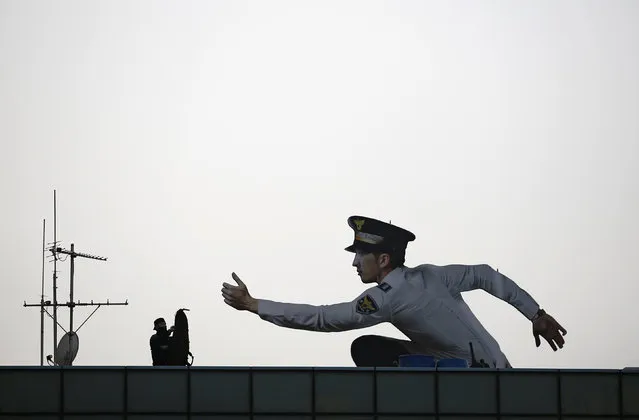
[110,393]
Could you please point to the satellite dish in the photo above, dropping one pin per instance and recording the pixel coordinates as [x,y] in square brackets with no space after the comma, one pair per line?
[67,349]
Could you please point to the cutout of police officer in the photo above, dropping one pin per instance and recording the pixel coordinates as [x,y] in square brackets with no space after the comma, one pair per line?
[424,303]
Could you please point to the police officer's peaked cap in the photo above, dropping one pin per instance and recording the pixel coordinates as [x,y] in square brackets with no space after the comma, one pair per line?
[373,235]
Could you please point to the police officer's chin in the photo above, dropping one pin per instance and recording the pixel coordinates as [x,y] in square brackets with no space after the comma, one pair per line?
[366,279]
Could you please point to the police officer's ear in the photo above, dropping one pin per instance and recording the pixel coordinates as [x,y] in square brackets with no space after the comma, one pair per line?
[383,260]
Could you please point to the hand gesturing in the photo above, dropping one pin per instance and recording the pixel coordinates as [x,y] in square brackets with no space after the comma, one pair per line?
[547,327]
[238,296]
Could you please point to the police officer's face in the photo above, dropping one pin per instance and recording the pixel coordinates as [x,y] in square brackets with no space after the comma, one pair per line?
[369,267]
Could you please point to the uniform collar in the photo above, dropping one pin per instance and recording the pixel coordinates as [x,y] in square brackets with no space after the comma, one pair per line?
[395,277]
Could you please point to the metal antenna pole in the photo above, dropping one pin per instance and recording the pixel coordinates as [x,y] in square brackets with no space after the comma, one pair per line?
[71,304]
[71,289]
[55,275]
[73,256]
[42,296]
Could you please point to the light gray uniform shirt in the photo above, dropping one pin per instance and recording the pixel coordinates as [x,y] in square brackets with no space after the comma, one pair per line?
[424,303]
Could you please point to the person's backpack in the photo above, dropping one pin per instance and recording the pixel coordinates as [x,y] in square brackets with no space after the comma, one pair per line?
[179,344]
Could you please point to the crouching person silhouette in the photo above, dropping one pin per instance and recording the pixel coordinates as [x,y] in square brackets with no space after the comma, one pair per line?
[160,343]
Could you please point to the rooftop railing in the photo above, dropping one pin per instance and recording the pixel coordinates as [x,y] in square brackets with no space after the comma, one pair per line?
[82,392]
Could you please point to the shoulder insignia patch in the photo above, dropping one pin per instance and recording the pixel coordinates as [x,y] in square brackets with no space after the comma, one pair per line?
[367,305]
[385,287]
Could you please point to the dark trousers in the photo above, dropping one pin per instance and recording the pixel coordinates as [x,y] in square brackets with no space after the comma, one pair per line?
[379,351]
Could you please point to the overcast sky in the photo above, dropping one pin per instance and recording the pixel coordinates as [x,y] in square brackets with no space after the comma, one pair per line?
[190,139]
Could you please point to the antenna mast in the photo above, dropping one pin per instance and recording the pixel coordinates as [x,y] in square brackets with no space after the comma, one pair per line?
[42,296]
[55,275]
[55,250]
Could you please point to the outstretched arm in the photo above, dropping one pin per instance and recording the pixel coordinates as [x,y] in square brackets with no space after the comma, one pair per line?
[463,278]
[324,318]
[366,310]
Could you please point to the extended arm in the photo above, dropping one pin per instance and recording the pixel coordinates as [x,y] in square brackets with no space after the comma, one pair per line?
[368,309]
[462,278]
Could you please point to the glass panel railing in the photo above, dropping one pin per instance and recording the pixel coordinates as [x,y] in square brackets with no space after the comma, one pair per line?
[242,393]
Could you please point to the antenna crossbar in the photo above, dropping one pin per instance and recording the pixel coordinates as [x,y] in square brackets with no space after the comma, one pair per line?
[48,303]
[74,254]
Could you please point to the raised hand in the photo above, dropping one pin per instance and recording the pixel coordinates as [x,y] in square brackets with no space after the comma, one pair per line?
[238,296]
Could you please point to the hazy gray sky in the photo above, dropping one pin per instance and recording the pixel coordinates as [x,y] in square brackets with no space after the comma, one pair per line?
[190,139]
